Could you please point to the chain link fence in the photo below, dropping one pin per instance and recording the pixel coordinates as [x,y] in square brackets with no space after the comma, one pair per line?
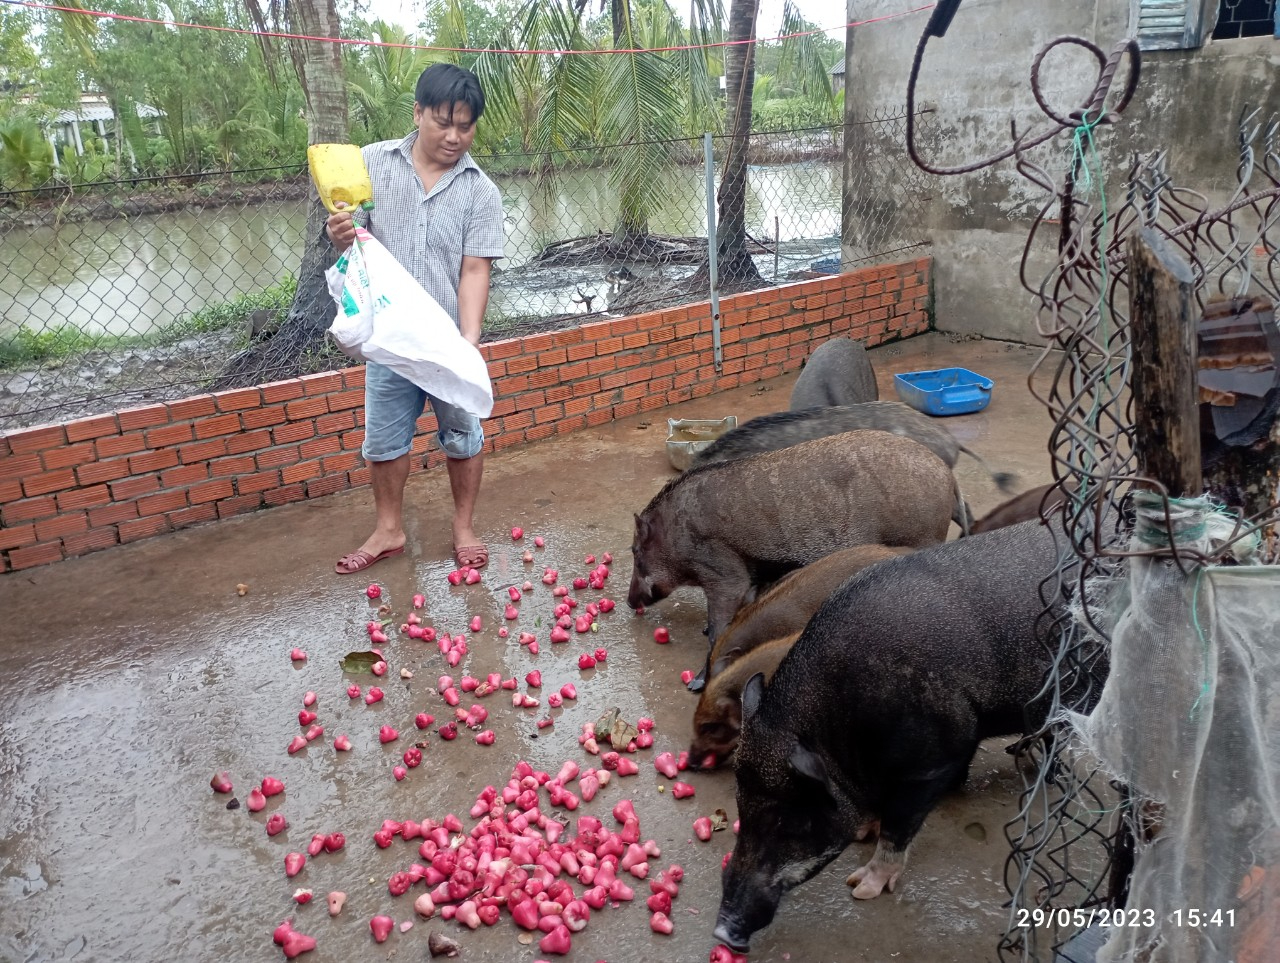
[134,291]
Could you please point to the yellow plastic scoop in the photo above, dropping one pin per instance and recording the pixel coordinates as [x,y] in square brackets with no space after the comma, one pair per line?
[340,175]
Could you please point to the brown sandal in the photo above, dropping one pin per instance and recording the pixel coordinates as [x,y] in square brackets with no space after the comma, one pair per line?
[358,561]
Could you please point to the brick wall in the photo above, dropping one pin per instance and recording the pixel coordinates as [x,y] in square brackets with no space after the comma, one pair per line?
[88,484]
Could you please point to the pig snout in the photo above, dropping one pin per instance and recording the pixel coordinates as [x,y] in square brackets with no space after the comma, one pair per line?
[747,905]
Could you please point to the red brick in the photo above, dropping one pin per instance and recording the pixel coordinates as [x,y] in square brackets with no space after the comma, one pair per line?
[335,422]
[307,408]
[322,383]
[539,432]
[261,482]
[248,441]
[84,498]
[239,505]
[70,524]
[317,447]
[281,391]
[198,406]
[218,425]
[169,435]
[237,399]
[144,417]
[25,440]
[10,490]
[558,393]
[262,417]
[230,467]
[120,444]
[319,487]
[97,426]
[202,450]
[534,343]
[161,503]
[194,515]
[275,457]
[133,487]
[34,555]
[346,400]
[498,350]
[47,482]
[292,432]
[580,352]
[566,337]
[140,528]
[340,463]
[600,417]
[17,536]
[113,514]
[153,461]
[353,377]
[184,475]
[102,471]
[300,472]
[91,541]
[282,496]
[20,466]
[210,491]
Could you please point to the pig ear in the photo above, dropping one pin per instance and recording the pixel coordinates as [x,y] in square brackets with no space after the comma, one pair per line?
[752,693]
[642,526]
[808,763]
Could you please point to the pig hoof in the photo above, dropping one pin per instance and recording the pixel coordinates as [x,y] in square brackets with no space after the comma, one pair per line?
[698,682]
[867,831]
[871,880]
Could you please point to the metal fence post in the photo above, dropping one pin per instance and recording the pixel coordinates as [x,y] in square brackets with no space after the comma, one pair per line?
[712,268]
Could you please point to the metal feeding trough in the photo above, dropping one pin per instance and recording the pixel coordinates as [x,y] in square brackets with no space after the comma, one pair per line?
[688,436]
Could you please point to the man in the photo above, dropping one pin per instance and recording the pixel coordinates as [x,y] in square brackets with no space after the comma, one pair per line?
[441,217]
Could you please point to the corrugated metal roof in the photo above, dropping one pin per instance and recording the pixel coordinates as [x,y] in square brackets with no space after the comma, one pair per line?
[89,112]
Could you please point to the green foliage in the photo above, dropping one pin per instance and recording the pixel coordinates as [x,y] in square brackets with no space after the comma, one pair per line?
[26,158]
[791,113]
[28,347]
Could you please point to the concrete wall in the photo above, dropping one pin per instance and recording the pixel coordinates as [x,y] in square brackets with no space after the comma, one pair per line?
[977,78]
[68,489]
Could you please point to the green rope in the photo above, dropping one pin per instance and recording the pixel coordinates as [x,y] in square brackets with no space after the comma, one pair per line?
[1204,644]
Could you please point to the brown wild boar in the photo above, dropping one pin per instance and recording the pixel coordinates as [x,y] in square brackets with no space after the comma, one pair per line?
[790,602]
[734,527]
[717,719]
[1020,508]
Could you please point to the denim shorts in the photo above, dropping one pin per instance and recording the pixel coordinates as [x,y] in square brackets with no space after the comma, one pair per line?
[392,405]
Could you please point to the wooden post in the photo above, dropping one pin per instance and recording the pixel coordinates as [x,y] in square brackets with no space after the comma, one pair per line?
[1166,411]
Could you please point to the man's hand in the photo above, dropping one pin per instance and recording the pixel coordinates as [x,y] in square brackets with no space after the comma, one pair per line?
[341,228]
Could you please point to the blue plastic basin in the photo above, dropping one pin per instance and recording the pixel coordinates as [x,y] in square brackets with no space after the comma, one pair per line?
[944,391]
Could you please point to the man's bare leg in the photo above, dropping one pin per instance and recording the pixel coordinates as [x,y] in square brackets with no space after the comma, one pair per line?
[387,478]
[464,481]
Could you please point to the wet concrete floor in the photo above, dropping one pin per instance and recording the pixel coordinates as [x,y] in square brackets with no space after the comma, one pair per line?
[129,677]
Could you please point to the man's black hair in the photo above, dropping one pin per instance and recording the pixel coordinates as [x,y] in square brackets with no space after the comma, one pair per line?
[443,85]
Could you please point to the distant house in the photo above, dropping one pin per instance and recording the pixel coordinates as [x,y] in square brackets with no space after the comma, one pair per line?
[837,77]
[94,111]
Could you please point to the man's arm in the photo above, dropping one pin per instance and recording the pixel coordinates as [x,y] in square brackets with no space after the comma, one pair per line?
[473,295]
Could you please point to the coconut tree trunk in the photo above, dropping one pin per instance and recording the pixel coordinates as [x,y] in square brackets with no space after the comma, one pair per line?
[735,264]
[319,68]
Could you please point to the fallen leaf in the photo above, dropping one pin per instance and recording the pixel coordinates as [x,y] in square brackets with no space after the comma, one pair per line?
[359,661]
[719,820]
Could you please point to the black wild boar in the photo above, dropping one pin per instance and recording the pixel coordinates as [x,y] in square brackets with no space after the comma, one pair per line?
[877,711]
[717,719]
[791,601]
[784,428]
[732,528]
[837,373]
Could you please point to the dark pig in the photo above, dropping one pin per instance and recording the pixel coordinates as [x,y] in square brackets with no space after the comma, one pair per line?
[717,719]
[1020,508]
[790,602]
[878,710]
[784,428]
[732,528]
[837,373]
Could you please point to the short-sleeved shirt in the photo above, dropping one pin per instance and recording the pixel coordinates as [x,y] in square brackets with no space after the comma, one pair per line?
[430,233]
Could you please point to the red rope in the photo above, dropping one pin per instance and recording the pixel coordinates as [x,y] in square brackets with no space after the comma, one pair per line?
[413,46]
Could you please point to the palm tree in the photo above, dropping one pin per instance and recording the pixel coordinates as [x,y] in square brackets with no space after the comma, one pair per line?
[734,263]
[383,90]
[320,72]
